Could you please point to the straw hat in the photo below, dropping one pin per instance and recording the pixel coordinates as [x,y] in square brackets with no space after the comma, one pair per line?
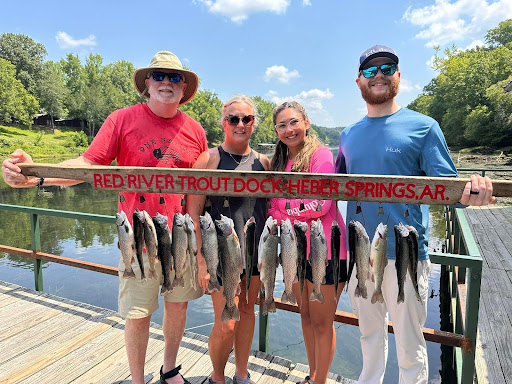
[166,60]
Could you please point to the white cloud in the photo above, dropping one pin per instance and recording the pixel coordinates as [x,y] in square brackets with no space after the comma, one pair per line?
[475,44]
[239,10]
[280,73]
[407,86]
[312,101]
[306,2]
[448,21]
[66,41]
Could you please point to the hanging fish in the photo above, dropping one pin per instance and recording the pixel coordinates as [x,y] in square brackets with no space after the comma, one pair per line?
[267,263]
[413,258]
[126,243]
[300,229]
[163,235]
[151,242]
[179,247]
[192,250]
[317,258]
[138,232]
[362,259]
[402,258]
[210,250]
[250,244]
[379,260]
[335,255]
[288,259]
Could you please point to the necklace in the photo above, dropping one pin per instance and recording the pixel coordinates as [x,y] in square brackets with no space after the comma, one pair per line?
[243,159]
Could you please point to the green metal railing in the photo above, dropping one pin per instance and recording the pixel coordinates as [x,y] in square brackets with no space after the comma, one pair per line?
[463,254]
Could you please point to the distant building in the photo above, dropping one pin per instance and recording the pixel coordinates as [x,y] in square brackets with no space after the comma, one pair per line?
[43,119]
[70,122]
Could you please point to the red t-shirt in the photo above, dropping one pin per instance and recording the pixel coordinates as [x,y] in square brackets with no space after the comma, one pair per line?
[135,136]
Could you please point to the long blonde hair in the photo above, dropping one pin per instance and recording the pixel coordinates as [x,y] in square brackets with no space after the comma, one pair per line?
[303,158]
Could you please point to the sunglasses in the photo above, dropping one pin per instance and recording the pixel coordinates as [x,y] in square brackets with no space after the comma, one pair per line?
[173,77]
[386,69]
[234,120]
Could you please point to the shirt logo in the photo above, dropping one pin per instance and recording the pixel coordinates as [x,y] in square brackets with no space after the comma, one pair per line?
[393,150]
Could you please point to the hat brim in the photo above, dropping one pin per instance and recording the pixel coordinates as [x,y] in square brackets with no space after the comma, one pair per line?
[191,79]
[379,54]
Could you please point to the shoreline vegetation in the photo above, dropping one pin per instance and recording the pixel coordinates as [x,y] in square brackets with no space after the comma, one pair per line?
[66,143]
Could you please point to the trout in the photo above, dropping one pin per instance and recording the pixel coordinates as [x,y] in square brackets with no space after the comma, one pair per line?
[402,258]
[210,250]
[317,258]
[362,258]
[267,263]
[379,260]
[413,258]
[288,260]
[231,261]
[179,248]
[163,235]
[300,229]
[151,241]
[192,249]
[335,255]
[351,249]
[138,232]
[250,243]
[126,243]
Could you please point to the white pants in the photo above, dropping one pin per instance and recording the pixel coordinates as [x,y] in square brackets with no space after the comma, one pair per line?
[408,319]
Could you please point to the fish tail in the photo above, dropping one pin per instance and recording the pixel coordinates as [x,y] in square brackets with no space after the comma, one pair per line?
[317,296]
[269,306]
[288,298]
[153,274]
[377,296]
[213,286]
[166,287]
[401,296]
[129,274]
[230,313]
[361,292]
[178,281]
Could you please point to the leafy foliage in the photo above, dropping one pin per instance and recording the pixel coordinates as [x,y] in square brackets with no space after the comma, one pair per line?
[467,96]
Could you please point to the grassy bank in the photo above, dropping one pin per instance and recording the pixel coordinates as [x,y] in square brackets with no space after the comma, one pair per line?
[40,144]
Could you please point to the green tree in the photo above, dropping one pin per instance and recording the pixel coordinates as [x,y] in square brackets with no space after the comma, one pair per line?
[16,104]
[52,91]
[75,80]
[264,132]
[501,35]
[205,108]
[27,57]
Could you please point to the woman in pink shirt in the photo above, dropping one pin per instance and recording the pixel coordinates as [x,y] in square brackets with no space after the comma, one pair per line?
[299,151]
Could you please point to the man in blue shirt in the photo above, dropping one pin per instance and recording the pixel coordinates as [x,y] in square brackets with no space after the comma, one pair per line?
[391,140]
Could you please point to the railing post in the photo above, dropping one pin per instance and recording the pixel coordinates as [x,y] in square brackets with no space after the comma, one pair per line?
[36,246]
[474,280]
[263,326]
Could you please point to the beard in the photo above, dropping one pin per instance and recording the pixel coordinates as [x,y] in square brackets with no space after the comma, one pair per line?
[373,99]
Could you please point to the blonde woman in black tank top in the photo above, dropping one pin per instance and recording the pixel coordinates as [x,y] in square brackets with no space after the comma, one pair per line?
[238,121]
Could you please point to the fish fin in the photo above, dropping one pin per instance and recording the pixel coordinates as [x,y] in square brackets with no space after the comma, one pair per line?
[259,266]
[118,245]
[153,275]
[166,288]
[317,296]
[238,290]
[401,297]
[133,260]
[230,313]
[295,279]
[213,285]
[377,296]
[288,298]
[128,274]
[270,306]
[361,292]
[323,280]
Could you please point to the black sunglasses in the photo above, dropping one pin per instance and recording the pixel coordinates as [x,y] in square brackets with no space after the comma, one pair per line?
[386,69]
[234,120]
[173,77]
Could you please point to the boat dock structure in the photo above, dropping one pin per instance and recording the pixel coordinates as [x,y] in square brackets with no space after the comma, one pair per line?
[48,339]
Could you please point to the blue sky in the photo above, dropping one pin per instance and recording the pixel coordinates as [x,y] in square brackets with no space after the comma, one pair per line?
[306,50]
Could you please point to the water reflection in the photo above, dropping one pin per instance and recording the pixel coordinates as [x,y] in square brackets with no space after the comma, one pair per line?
[96,242]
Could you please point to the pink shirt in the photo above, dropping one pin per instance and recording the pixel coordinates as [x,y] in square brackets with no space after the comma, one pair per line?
[321,162]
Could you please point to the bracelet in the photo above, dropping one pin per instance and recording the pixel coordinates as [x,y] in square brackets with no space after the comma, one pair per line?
[41,182]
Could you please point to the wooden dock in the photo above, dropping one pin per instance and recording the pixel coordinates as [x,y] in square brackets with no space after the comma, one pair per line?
[48,339]
[492,228]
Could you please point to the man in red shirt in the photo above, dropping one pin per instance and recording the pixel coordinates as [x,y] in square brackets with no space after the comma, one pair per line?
[152,134]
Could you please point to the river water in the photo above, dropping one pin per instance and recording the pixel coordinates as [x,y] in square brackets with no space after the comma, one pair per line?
[96,242]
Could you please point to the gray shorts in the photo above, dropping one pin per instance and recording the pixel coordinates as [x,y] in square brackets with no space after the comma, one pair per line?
[139,299]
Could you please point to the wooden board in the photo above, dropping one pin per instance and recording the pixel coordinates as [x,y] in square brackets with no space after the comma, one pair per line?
[376,188]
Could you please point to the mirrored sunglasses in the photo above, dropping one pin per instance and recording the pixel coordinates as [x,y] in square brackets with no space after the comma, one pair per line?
[386,69]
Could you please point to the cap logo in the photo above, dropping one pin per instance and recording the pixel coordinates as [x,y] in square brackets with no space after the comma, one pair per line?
[375,51]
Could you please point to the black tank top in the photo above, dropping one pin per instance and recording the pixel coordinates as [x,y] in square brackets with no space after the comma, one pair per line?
[240,209]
